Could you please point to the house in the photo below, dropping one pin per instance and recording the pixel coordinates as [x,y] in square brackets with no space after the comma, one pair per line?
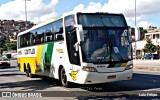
[154,35]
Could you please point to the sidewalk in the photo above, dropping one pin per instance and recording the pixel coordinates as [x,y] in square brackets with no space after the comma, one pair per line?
[146,65]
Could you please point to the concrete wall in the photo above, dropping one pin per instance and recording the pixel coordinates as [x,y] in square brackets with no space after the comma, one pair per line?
[147,63]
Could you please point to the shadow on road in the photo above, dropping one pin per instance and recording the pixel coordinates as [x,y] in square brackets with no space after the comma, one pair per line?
[120,97]
[31,85]
[13,74]
[8,70]
[124,89]
[8,67]
[25,83]
[138,82]
[121,90]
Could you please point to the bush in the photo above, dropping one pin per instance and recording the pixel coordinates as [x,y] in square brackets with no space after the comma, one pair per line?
[139,56]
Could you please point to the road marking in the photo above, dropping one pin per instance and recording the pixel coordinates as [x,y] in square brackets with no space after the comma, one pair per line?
[64,89]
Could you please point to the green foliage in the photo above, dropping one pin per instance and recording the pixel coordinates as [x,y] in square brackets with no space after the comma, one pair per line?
[6,45]
[139,56]
[150,47]
[11,45]
[132,30]
[145,31]
[142,34]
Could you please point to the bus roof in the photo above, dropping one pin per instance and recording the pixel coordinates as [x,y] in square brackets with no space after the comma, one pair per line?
[86,12]
[57,18]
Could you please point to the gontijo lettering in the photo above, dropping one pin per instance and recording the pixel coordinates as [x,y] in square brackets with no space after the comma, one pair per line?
[29,51]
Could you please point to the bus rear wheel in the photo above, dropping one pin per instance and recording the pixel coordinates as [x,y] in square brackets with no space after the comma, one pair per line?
[63,78]
[28,72]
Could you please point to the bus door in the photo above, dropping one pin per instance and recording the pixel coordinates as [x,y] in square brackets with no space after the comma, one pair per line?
[71,40]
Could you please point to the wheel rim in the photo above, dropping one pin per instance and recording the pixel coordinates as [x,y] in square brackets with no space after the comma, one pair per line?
[63,77]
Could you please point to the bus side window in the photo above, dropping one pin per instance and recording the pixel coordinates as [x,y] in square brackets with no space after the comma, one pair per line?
[53,37]
[36,38]
[22,40]
[33,41]
[48,39]
[25,41]
[28,39]
[49,36]
[58,30]
[59,37]
[42,38]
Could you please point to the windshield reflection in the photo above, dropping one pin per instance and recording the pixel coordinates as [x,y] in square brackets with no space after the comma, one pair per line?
[104,45]
[95,46]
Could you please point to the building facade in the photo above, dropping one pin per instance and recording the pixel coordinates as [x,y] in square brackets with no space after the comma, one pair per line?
[154,35]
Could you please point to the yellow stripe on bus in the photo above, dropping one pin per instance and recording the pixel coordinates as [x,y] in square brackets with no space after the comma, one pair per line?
[25,61]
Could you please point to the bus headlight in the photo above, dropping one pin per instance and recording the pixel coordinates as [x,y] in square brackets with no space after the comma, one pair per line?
[129,67]
[89,69]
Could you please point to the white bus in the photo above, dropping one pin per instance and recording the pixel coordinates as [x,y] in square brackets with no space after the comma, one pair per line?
[83,48]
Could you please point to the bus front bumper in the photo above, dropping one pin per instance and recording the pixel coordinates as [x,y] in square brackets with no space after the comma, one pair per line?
[95,77]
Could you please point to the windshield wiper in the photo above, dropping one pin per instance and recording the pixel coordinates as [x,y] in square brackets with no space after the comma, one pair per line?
[118,55]
[103,49]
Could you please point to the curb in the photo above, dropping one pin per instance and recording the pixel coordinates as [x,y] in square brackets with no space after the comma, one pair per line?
[153,68]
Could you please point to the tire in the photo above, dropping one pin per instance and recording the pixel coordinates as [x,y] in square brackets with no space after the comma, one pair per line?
[28,72]
[63,78]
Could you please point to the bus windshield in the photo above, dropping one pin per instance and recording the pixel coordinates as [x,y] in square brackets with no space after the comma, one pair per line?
[101,20]
[104,45]
[106,38]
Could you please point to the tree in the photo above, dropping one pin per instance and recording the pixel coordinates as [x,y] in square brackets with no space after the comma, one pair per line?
[6,45]
[150,47]
[11,45]
[142,33]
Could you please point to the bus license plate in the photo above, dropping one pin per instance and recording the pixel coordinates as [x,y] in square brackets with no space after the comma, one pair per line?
[111,77]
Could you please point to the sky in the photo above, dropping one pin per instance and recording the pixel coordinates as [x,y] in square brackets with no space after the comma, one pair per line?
[147,11]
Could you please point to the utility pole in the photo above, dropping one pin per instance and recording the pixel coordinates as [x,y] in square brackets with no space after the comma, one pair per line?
[26,9]
[135,32]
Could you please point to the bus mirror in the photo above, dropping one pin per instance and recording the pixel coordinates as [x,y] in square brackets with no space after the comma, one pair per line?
[80,32]
[76,46]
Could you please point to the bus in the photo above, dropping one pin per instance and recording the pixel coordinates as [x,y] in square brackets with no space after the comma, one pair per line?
[82,48]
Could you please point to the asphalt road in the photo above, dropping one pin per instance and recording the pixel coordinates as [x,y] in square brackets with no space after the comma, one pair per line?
[143,85]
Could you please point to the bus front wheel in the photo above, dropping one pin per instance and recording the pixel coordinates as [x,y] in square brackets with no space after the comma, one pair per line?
[63,78]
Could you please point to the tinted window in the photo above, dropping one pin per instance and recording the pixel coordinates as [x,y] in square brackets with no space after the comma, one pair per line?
[71,39]
[101,20]
[47,33]
[58,30]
